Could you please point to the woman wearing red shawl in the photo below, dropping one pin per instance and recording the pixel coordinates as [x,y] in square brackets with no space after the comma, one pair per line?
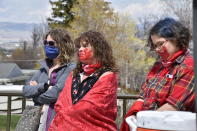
[170,83]
[88,100]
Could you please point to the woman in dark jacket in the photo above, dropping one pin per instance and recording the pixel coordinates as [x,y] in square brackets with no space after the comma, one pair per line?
[45,86]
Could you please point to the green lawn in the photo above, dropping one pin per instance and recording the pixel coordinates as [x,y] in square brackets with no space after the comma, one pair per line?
[3,119]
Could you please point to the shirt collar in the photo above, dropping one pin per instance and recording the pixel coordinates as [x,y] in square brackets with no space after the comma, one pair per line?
[181,58]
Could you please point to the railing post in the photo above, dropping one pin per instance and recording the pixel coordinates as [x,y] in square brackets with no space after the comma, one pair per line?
[23,103]
[124,107]
[9,113]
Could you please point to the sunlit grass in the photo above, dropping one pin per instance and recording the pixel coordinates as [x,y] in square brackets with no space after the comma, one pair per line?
[3,121]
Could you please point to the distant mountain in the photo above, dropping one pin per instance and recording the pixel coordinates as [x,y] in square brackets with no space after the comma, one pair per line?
[11,34]
[16,26]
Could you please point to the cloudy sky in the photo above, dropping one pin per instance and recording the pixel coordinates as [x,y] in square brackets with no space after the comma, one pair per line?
[35,11]
[25,11]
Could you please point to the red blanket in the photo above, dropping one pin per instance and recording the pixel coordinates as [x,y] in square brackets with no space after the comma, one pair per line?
[136,107]
[96,111]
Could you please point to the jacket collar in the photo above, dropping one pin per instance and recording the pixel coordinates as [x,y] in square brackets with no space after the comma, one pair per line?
[45,63]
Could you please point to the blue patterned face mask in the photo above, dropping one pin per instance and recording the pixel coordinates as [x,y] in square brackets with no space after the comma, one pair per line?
[51,51]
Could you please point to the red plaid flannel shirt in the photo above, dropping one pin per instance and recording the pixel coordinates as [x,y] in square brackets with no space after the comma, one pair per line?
[173,85]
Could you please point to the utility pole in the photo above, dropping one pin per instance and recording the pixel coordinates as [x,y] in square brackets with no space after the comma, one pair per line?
[195,46]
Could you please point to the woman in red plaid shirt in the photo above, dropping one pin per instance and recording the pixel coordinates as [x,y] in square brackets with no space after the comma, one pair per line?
[170,83]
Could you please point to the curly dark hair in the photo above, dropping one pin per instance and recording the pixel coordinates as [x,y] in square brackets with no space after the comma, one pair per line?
[172,30]
[102,50]
[64,43]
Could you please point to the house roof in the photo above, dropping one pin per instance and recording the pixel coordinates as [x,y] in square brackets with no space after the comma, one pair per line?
[9,70]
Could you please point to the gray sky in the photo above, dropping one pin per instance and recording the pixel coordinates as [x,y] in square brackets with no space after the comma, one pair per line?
[137,8]
[27,11]
[36,11]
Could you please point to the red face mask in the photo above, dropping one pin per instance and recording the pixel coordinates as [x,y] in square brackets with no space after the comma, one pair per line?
[85,54]
[163,53]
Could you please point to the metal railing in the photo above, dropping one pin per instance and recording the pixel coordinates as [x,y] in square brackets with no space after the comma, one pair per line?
[16,90]
[125,98]
[9,91]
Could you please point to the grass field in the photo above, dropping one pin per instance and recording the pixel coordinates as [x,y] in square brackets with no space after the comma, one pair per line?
[3,120]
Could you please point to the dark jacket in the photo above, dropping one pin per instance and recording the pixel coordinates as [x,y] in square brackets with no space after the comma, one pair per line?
[39,93]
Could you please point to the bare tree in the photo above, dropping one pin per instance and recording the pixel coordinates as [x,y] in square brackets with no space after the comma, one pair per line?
[37,36]
[180,8]
[144,25]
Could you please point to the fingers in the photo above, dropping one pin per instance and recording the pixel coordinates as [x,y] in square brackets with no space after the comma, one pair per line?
[33,83]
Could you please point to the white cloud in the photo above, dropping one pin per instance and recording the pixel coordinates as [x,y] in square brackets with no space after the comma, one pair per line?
[2,10]
[34,11]
[25,11]
[137,10]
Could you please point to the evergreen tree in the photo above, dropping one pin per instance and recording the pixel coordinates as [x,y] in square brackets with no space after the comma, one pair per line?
[61,13]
